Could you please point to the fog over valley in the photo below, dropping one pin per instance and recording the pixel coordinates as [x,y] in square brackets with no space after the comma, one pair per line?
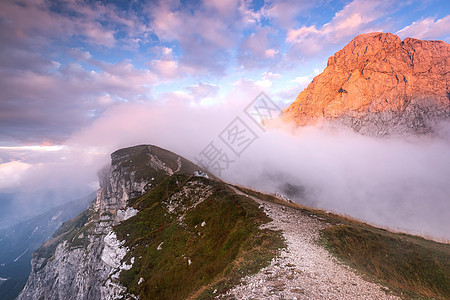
[397,183]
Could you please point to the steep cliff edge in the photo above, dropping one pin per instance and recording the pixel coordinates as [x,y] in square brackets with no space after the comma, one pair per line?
[157,220]
[162,229]
[379,85]
[84,252]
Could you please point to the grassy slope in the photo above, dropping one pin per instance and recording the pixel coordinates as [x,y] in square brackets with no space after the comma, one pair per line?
[411,266]
[231,245]
[228,247]
[68,231]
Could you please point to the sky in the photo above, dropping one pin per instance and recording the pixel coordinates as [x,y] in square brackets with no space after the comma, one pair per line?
[78,79]
[63,64]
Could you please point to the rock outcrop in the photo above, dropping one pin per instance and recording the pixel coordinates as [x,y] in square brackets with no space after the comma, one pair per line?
[160,228]
[84,258]
[379,85]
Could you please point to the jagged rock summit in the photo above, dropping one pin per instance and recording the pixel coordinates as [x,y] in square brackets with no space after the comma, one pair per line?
[379,85]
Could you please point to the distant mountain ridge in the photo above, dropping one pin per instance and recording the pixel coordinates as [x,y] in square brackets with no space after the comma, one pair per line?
[18,242]
[379,85]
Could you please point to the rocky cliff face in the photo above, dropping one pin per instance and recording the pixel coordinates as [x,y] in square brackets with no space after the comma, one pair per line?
[160,228]
[379,85]
[84,259]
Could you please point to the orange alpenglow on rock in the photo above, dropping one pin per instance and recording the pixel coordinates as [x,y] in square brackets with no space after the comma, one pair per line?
[379,85]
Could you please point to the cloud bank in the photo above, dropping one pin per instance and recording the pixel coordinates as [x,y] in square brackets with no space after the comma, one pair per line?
[94,76]
[400,184]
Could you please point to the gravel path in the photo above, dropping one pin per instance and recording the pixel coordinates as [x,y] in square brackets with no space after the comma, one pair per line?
[304,270]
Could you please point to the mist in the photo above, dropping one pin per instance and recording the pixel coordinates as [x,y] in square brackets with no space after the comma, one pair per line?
[400,184]
[34,181]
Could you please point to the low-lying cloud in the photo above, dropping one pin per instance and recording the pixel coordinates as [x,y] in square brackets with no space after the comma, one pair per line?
[400,184]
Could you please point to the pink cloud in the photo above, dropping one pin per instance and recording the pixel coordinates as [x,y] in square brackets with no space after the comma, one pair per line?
[97,34]
[359,16]
[51,105]
[205,33]
[259,49]
[12,173]
[285,12]
[428,28]
[167,68]
[43,99]
[203,90]
[295,35]
[223,7]
[36,22]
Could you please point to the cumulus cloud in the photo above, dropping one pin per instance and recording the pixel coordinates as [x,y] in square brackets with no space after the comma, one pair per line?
[54,78]
[206,32]
[203,38]
[222,7]
[357,17]
[259,49]
[271,76]
[38,21]
[50,89]
[50,106]
[302,80]
[284,13]
[203,90]
[428,28]
[167,66]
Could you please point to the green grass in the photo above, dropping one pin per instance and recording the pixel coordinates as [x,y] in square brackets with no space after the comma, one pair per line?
[411,266]
[68,231]
[229,247]
[136,160]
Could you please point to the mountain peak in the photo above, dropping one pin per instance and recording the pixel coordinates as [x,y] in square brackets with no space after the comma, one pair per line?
[135,170]
[379,85]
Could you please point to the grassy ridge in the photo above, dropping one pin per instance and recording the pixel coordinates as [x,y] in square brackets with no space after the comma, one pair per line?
[411,266]
[194,260]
